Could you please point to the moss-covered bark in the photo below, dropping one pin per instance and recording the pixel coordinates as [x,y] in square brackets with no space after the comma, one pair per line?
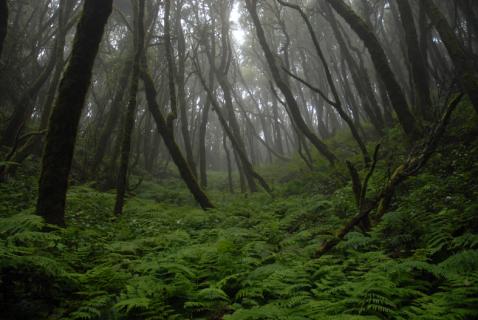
[64,120]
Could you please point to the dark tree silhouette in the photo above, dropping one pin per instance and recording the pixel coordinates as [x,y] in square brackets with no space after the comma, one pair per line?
[63,125]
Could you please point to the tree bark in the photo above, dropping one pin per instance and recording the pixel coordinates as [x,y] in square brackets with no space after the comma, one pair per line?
[122,182]
[464,65]
[283,86]
[64,120]
[112,120]
[382,66]
[180,80]
[415,59]
[168,138]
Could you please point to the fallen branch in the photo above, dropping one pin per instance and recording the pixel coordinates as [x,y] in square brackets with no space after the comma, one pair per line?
[413,164]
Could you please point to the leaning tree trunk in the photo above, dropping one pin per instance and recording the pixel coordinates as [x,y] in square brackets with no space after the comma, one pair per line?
[284,88]
[464,65]
[382,66]
[360,78]
[415,58]
[336,104]
[122,182]
[112,120]
[168,138]
[66,113]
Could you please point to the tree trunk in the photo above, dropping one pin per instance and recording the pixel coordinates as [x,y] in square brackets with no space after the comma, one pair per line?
[464,65]
[382,66]
[122,182]
[66,113]
[182,97]
[112,120]
[228,161]
[168,138]
[415,59]
[286,91]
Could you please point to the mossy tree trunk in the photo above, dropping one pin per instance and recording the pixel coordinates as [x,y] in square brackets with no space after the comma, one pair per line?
[122,181]
[382,66]
[66,112]
[463,63]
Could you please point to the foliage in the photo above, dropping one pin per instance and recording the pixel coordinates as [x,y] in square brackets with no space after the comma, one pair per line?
[253,257]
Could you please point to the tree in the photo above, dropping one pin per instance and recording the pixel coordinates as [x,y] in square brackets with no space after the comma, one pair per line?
[416,60]
[64,120]
[464,65]
[382,66]
[122,181]
[284,88]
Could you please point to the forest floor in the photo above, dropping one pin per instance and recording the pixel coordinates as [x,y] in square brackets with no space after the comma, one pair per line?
[253,256]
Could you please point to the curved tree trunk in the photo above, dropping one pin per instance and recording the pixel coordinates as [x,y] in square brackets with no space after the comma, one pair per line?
[336,104]
[168,138]
[382,66]
[415,58]
[465,68]
[283,86]
[64,120]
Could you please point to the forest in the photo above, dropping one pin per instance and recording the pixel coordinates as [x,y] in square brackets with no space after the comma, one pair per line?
[238,159]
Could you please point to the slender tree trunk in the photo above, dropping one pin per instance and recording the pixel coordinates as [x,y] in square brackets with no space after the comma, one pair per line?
[34,143]
[239,150]
[382,66]
[229,166]
[276,127]
[168,138]
[415,59]
[122,182]
[286,91]
[112,120]
[202,141]
[64,120]
[359,75]
[182,97]
[336,104]
[24,107]
[464,65]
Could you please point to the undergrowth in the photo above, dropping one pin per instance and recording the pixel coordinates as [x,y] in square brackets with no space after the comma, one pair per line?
[253,257]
